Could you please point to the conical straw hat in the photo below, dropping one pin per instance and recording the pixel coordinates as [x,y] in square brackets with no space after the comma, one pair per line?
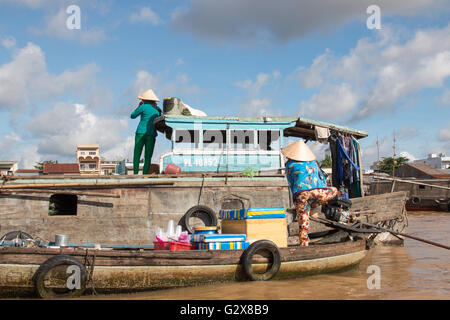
[148,95]
[298,151]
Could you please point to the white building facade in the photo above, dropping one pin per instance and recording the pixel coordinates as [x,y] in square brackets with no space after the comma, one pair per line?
[436,161]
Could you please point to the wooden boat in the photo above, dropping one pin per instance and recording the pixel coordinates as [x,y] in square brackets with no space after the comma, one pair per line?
[424,194]
[119,270]
[128,210]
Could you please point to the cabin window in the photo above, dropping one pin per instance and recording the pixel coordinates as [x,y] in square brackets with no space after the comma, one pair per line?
[421,187]
[269,139]
[242,139]
[214,139]
[186,139]
[63,205]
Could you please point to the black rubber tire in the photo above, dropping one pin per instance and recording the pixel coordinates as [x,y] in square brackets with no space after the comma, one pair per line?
[247,257]
[16,234]
[47,266]
[415,200]
[204,213]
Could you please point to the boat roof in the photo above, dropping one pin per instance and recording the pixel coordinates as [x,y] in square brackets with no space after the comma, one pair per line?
[291,126]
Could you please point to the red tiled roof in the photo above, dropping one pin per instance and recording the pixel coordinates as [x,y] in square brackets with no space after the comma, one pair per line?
[61,168]
[28,171]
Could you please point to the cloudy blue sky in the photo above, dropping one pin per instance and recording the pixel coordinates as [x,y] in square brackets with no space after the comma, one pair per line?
[316,59]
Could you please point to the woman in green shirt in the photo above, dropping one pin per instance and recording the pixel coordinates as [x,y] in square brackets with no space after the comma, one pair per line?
[145,132]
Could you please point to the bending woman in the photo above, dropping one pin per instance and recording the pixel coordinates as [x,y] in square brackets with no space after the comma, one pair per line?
[307,183]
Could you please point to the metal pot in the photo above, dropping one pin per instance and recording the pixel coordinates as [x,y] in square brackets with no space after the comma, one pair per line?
[61,240]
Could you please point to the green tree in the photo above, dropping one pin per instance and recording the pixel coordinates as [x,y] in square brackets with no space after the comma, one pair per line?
[388,164]
[326,163]
[40,165]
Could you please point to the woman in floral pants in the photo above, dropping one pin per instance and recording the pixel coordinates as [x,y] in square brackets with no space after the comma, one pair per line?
[304,202]
[307,183]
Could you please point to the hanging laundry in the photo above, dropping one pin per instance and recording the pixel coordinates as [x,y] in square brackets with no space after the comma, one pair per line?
[342,155]
[322,134]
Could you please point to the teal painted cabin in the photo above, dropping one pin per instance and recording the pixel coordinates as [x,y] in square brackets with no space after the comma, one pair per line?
[222,144]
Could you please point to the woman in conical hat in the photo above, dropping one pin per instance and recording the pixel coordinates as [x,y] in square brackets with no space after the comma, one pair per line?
[307,183]
[145,135]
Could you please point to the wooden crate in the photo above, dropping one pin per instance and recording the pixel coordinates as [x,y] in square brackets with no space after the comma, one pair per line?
[257,229]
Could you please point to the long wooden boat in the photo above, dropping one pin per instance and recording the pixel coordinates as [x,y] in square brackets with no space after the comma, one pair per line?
[424,194]
[133,270]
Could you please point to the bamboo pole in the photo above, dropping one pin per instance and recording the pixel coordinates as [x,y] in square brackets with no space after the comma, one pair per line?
[406,235]
[80,193]
[412,182]
[86,184]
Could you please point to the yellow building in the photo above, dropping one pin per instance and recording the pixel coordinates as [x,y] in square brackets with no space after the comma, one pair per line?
[88,158]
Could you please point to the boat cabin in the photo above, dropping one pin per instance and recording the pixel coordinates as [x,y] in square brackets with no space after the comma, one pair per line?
[234,144]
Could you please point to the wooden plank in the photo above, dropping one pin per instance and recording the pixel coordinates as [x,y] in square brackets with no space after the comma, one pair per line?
[86,184]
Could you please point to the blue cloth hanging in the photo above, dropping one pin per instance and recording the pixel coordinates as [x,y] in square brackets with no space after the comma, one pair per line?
[342,154]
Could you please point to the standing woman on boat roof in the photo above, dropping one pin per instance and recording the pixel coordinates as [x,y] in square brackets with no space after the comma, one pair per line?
[145,132]
[307,183]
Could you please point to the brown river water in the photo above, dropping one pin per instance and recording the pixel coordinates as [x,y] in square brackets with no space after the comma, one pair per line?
[414,271]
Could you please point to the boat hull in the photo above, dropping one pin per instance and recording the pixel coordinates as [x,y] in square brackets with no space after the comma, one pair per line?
[123,271]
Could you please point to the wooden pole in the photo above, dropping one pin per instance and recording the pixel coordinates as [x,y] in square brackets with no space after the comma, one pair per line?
[80,193]
[406,235]
[412,182]
[86,184]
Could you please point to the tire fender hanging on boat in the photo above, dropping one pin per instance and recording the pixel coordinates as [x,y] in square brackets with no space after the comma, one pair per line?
[268,247]
[16,235]
[415,200]
[204,213]
[77,271]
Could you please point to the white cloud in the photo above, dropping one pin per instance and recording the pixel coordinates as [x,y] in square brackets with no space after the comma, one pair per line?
[407,133]
[254,86]
[8,42]
[383,71]
[29,3]
[9,141]
[407,155]
[255,102]
[27,79]
[56,26]
[444,99]
[267,20]
[331,104]
[146,14]
[256,107]
[444,135]
[161,85]
[61,129]
[179,62]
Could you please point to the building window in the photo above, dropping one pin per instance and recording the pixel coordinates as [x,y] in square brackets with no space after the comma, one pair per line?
[92,153]
[82,153]
[92,166]
[82,166]
[63,205]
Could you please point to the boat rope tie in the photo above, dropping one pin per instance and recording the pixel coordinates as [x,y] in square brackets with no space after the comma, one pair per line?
[90,264]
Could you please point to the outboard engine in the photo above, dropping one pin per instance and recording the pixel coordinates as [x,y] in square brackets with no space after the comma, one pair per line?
[337,209]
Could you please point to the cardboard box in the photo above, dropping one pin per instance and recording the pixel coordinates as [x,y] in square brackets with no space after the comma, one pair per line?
[259,229]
